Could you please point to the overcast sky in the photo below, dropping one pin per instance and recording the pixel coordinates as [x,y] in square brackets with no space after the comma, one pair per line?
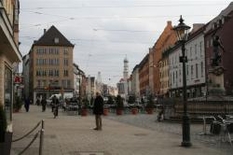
[106,31]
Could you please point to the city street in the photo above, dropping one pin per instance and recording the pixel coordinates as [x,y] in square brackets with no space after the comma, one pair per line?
[121,135]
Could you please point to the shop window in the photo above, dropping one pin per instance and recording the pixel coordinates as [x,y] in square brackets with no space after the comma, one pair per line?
[8,93]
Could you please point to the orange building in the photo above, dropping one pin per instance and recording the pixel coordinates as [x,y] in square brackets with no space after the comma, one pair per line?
[164,42]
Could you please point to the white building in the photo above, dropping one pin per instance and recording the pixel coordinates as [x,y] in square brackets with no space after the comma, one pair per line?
[26,75]
[195,67]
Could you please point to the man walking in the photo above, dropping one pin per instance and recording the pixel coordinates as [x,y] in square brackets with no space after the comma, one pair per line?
[55,104]
[43,103]
[98,111]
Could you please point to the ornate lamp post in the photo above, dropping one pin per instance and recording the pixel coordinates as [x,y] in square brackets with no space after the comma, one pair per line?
[182,33]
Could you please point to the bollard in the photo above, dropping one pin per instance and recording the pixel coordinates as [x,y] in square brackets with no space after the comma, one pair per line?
[41,138]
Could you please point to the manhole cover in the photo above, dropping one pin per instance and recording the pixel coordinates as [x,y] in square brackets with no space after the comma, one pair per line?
[88,153]
[140,134]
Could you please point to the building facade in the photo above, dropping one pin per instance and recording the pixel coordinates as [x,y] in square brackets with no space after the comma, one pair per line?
[135,81]
[151,71]
[164,73]
[195,66]
[10,55]
[164,42]
[51,65]
[79,81]
[144,76]
[26,75]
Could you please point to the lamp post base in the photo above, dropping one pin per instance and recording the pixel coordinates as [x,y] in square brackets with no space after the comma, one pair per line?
[186,144]
[186,131]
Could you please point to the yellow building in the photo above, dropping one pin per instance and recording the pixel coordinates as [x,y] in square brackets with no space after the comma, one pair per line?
[51,65]
[164,73]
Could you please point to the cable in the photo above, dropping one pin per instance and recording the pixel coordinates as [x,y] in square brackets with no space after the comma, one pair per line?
[130,6]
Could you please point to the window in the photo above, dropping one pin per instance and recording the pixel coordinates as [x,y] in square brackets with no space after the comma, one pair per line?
[56,72]
[56,40]
[179,75]
[191,71]
[66,73]
[66,83]
[202,69]
[173,77]
[195,49]
[8,93]
[53,51]
[196,70]
[66,51]
[54,61]
[190,51]
[41,51]
[66,62]
[201,44]
[50,72]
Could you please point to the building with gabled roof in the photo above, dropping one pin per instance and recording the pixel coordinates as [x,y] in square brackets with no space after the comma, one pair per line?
[164,42]
[51,65]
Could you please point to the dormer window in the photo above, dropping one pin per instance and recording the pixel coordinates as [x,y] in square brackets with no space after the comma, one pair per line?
[56,40]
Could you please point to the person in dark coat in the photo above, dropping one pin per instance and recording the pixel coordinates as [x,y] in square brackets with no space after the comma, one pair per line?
[98,111]
[55,103]
[27,104]
[43,103]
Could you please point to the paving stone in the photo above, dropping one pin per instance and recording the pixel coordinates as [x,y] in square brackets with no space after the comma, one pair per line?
[121,135]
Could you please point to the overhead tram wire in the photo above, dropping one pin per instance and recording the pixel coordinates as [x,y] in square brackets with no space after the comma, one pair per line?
[112,17]
[133,6]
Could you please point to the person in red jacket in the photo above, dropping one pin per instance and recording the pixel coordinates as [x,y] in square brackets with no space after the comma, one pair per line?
[98,111]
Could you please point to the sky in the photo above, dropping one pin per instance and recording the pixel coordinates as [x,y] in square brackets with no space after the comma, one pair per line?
[105,32]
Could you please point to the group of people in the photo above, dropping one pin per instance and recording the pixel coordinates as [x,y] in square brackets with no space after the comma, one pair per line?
[97,108]
[42,102]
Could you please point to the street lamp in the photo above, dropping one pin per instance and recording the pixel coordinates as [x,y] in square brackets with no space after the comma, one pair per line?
[182,33]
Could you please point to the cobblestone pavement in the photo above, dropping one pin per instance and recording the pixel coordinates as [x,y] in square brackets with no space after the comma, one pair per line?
[196,129]
[70,134]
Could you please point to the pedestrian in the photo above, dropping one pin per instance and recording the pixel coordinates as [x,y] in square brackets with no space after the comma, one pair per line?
[160,116]
[43,103]
[98,111]
[55,104]
[27,104]
[38,101]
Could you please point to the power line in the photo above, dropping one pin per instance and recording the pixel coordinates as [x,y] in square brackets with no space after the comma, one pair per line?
[114,17]
[130,6]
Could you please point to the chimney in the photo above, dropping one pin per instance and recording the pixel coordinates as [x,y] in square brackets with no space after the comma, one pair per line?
[44,31]
[197,26]
[169,23]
